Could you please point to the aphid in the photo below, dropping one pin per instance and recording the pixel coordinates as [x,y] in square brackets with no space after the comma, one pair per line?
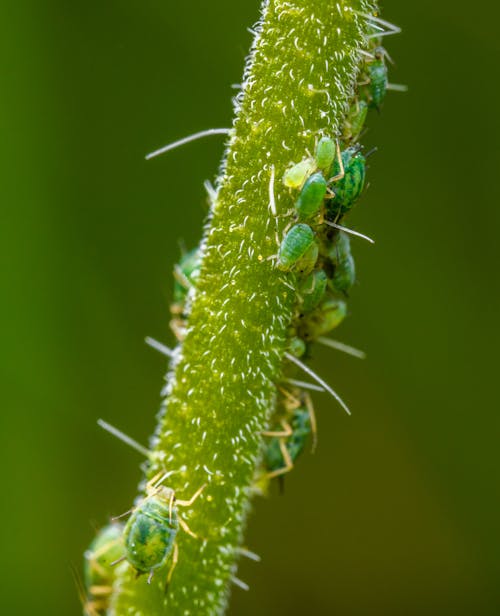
[344,274]
[355,120]
[324,319]
[325,153]
[312,290]
[290,436]
[311,197]
[298,250]
[298,174]
[297,347]
[377,72]
[99,572]
[150,533]
[186,273]
[350,186]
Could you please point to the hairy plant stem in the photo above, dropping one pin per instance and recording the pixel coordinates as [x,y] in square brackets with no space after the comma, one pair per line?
[298,82]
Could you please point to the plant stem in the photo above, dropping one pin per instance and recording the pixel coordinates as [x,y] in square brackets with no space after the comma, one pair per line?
[298,82]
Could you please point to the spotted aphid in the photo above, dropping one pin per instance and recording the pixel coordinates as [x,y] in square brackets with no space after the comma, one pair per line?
[98,568]
[151,531]
[298,250]
[349,187]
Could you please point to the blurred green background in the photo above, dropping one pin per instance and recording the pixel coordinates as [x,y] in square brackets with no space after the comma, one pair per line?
[397,512]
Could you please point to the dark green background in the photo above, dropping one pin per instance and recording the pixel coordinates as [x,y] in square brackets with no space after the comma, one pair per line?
[397,513]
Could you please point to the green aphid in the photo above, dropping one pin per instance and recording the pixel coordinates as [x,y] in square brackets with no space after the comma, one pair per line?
[98,568]
[350,186]
[298,250]
[312,196]
[151,531]
[297,347]
[282,451]
[293,425]
[323,320]
[344,274]
[325,153]
[355,120]
[312,290]
[298,174]
[377,72]
[186,273]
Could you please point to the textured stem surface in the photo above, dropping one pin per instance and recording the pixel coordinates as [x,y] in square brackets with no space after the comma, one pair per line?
[298,82]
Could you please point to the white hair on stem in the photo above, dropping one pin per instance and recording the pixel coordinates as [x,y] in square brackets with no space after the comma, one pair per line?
[349,231]
[319,380]
[158,346]
[123,437]
[340,346]
[194,137]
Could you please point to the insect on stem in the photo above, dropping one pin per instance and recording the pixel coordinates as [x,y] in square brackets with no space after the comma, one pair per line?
[176,144]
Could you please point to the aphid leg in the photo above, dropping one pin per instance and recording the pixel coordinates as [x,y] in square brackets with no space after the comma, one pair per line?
[181,278]
[118,561]
[194,137]
[314,423]
[175,559]
[186,529]
[101,591]
[341,173]
[287,459]
[286,432]
[188,503]
[171,506]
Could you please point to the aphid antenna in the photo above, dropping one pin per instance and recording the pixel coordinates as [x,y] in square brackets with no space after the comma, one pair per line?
[305,385]
[194,137]
[349,231]
[371,152]
[158,346]
[340,346]
[319,380]
[397,87]
[123,437]
[248,554]
[272,199]
[237,582]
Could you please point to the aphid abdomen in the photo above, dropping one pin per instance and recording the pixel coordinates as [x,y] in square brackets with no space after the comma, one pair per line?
[297,245]
[355,120]
[344,274]
[313,290]
[296,175]
[301,427]
[378,82]
[311,197]
[349,188]
[150,534]
[105,549]
[325,153]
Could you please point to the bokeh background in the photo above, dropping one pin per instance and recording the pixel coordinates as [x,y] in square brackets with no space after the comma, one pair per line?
[397,512]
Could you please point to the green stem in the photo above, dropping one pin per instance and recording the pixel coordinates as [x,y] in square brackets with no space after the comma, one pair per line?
[298,82]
